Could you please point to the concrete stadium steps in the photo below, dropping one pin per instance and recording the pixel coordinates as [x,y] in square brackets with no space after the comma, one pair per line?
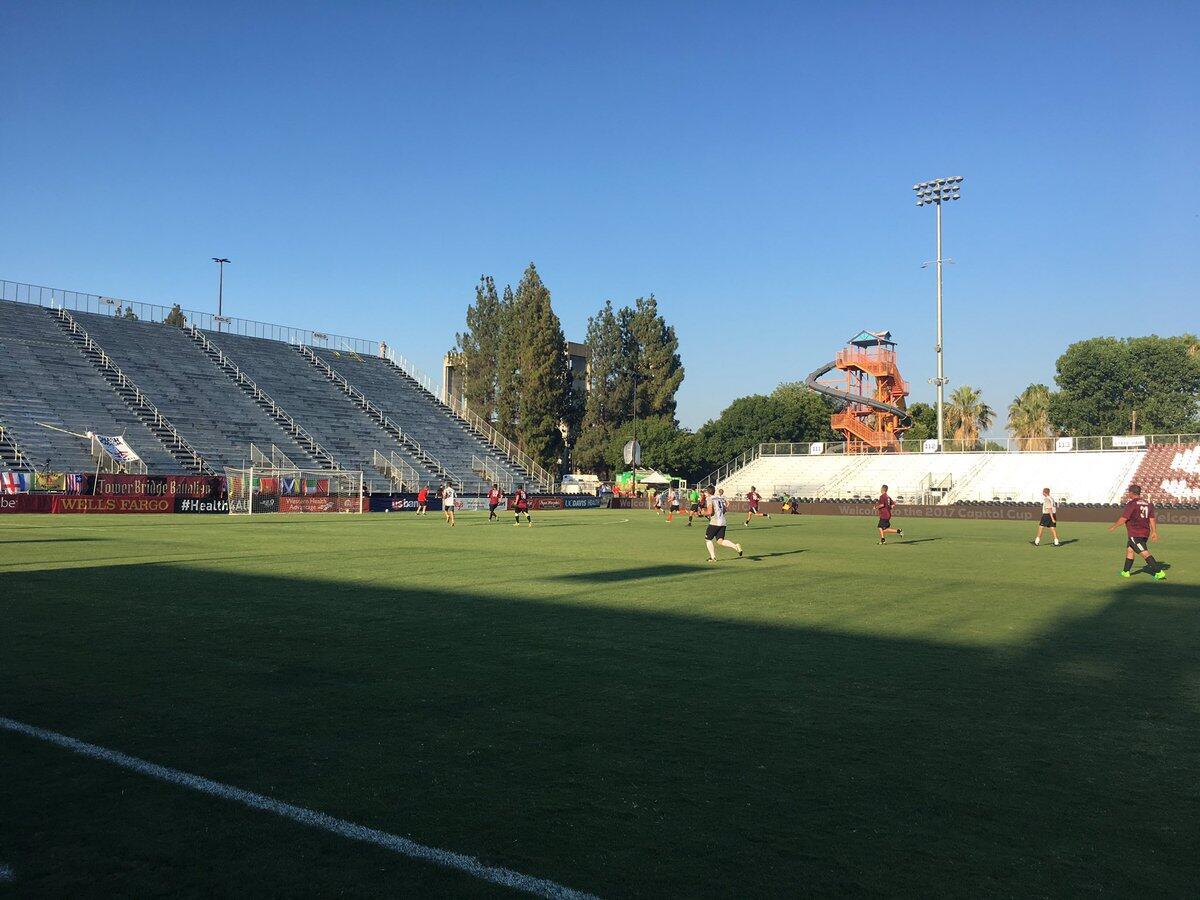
[47,379]
[215,417]
[338,424]
[439,431]
[1078,477]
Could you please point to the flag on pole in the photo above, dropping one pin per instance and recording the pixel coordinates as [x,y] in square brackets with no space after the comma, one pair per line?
[16,482]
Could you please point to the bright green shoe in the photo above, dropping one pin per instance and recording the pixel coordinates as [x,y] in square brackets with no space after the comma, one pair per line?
[1123,574]
[1160,575]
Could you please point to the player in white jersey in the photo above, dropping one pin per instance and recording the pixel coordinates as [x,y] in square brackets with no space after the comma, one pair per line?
[449,499]
[715,508]
[1049,518]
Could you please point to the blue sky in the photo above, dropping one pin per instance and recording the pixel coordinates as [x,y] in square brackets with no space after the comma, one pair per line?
[749,163]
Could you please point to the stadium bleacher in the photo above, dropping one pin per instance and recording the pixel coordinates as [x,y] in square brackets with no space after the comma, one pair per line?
[338,424]
[441,433]
[1170,474]
[46,379]
[1076,477]
[208,409]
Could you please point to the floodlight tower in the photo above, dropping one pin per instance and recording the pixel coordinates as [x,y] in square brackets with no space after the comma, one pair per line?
[933,193]
[221,288]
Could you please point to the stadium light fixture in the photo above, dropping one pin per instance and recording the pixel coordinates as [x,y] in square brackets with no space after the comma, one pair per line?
[220,261]
[934,193]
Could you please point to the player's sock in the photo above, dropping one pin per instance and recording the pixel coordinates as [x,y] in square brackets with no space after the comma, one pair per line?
[1128,564]
[1151,564]
[712,551]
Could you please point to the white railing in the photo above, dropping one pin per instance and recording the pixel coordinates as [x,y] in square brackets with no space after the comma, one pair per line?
[540,475]
[401,475]
[113,371]
[19,458]
[248,385]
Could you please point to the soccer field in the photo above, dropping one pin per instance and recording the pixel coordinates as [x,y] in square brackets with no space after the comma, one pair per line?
[591,703]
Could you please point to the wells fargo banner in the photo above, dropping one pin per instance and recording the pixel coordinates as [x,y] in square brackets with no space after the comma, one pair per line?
[66,504]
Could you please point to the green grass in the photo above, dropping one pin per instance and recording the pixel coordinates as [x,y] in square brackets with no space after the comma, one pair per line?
[589,702]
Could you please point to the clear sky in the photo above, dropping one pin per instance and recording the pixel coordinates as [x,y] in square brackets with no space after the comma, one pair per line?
[749,163]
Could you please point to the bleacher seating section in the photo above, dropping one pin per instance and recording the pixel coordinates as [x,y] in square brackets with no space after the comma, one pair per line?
[444,436]
[46,379]
[1170,474]
[1081,477]
[204,405]
[334,421]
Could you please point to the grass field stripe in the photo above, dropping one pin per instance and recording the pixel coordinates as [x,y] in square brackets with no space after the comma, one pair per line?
[538,887]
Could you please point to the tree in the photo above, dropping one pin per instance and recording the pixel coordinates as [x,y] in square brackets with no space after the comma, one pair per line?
[665,446]
[544,372]
[787,416]
[967,416]
[129,314]
[176,317]
[1029,418]
[924,422]
[607,404]
[656,358]
[478,349]
[1102,381]
[508,393]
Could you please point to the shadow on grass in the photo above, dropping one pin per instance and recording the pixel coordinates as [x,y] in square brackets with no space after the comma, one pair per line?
[621,751]
[59,540]
[757,556]
[638,574]
[904,541]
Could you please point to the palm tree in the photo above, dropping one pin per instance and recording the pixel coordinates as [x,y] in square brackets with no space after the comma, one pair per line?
[968,416]
[1029,418]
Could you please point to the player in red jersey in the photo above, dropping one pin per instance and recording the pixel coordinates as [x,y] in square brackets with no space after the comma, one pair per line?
[521,505]
[493,502]
[752,499]
[883,506]
[1140,523]
[422,500]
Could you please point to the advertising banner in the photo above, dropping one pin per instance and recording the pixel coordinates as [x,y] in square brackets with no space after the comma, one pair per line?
[319,504]
[26,503]
[1129,440]
[401,503]
[189,505]
[1064,445]
[199,487]
[581,502]
[816,448]
[930,446]
[68,504]
[546,503]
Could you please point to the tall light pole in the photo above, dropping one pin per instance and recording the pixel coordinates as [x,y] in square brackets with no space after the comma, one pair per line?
[221,288]
[933,193]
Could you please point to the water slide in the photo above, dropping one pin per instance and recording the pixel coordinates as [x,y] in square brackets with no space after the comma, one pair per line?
[845,397]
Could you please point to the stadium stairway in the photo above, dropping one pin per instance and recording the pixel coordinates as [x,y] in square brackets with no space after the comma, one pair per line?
[436,429]
[314,454]
[413,446]
[344,429]
[12,457]
[49,377]
[218,420]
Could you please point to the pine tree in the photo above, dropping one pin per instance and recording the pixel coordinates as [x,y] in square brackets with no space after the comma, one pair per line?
[544,371]
[606,404]
[659,368]
[508,346]
[176,317]
[478,349]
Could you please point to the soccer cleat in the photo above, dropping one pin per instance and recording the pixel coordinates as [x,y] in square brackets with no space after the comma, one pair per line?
[1124,574]
[899,532]
[739,552]
[883,540]
[516,524]
[530,524]
[712,559]
[1160,575]
[1057,544]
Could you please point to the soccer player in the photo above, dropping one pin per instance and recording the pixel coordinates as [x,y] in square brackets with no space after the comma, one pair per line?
[659,499]
[1049,518]
[448,500]
[884,507]
[521,505]
[493,502]
[1141,525]
[422,500]
[715,533]
[694,497]
[752,498]
[672,503]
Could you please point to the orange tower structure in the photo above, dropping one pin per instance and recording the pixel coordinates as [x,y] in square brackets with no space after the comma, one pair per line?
[874,417]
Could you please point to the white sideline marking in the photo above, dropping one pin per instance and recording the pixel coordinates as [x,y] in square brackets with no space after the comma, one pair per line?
[538,887]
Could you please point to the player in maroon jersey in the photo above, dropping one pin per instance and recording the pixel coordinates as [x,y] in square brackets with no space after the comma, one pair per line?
[422,500]
[1141,525]
[883,506]
[493,502]
[521,505]
[753,497]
